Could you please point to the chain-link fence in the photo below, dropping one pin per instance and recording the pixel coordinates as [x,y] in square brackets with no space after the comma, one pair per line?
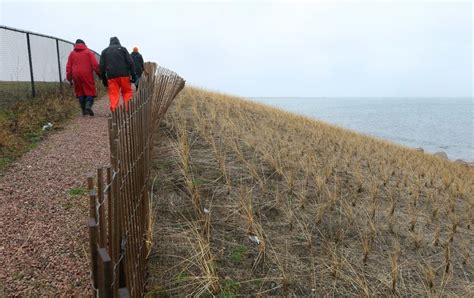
[31,64]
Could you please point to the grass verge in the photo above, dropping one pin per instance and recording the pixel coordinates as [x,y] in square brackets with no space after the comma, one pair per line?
[255,201]
[21,123]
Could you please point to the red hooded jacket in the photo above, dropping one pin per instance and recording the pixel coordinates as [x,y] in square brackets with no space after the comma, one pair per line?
[79,68]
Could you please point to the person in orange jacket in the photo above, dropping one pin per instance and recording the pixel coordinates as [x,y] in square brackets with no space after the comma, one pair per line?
[117,73]
[138,63]
[80,68]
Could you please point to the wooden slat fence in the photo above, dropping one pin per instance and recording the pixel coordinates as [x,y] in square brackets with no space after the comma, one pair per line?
[119,224]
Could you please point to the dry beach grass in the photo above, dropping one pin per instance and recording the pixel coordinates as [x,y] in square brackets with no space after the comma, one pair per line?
[251,200]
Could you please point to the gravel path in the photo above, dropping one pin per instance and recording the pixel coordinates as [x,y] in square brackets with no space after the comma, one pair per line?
[43,233]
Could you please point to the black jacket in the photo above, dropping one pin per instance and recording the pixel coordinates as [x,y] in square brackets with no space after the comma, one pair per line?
[138,62]
[115,61]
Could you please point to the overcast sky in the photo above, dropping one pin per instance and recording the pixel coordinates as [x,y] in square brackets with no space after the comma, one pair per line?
[280,48]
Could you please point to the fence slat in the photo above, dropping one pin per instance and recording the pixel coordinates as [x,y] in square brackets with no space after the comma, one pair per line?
[105,288]
[93,252]
[101,215]
[119,269]
[92,198]
[110,214]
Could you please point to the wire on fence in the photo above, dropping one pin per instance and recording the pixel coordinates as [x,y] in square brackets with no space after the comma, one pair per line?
[120,205]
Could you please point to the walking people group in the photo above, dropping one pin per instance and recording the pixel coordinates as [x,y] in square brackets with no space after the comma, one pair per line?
[117,69]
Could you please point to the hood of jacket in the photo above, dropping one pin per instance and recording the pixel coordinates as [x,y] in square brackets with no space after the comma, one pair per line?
[80,47]
[114,41]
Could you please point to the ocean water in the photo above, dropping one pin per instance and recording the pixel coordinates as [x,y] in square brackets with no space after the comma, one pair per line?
[436,124]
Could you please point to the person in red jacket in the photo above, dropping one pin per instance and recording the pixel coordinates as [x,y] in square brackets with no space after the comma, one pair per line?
[80,69]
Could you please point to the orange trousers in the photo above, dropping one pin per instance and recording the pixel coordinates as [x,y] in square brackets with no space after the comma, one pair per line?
[117,86]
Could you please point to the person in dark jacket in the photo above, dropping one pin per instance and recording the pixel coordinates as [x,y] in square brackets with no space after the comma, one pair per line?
[116,68]
[80,68]
[138,63]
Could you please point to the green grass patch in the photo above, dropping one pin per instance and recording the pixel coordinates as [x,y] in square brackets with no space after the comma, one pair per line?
[4,162]
[181,277]
[72,195]
[238,253]
[230,288]
[77,191]
[300,238]
[199,181]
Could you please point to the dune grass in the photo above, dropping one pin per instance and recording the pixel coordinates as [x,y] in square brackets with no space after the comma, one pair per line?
[252,200]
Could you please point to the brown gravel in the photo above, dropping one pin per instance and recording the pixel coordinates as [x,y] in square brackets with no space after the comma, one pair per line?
[43,234]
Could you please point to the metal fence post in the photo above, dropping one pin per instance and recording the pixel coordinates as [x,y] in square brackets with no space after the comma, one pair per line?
[33,92]
[59,66]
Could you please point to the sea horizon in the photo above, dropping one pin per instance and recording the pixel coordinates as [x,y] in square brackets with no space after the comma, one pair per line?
[433,123]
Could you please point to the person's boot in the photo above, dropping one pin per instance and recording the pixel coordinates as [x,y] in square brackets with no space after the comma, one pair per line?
[89,108]
[82,102]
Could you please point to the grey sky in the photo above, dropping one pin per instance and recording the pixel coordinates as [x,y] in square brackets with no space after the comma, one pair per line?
[270,48]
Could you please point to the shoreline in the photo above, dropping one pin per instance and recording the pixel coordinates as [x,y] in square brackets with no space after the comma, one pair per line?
[349,113]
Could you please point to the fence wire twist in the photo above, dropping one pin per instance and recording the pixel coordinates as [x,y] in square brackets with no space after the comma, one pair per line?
[119,203]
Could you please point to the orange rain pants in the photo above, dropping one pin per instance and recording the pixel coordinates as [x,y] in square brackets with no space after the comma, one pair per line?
[117,86]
